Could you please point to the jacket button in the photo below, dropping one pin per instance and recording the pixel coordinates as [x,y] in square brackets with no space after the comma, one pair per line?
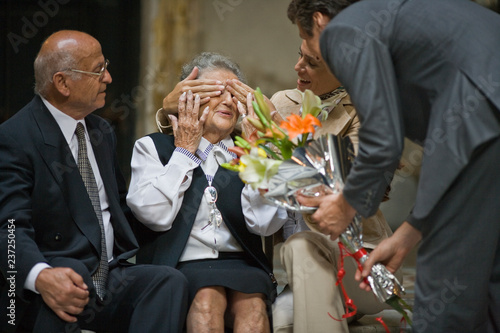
[58,237]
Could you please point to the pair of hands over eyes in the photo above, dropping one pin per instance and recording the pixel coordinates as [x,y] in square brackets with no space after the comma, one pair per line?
[207,88]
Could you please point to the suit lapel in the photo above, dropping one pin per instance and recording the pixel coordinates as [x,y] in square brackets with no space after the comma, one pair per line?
[59,160]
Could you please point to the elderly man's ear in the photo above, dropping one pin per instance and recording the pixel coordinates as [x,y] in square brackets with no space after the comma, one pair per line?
[60,84]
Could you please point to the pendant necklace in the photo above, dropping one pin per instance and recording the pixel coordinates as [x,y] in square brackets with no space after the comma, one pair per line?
[210,195]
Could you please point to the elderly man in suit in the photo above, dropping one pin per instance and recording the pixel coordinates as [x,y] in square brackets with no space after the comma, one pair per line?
[428,70]
[63,211]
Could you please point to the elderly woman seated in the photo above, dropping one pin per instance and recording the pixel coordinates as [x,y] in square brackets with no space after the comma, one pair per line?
[205,221]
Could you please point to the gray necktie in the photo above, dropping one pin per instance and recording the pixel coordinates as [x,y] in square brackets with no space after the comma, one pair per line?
[101,275]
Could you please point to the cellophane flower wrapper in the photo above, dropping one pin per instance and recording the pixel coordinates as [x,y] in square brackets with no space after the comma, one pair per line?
[319,168]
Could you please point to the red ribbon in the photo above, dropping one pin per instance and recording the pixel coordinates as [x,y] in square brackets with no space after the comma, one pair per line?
[380,320]
[358,254]
[350,307]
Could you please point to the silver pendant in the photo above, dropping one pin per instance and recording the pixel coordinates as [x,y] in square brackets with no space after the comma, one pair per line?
[214,215]
[211,194]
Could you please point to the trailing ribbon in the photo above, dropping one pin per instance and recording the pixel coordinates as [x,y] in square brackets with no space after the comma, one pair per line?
[350,307]
[380,320]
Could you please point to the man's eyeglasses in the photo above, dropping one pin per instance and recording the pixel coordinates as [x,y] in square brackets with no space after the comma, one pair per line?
[100,73]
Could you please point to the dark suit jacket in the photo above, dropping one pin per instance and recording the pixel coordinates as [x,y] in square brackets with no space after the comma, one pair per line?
[42,191]
[425,69]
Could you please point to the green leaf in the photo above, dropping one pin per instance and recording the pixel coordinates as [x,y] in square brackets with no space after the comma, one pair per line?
[264,108]
[240,142]
[398,304]
[270,152]
[286,147]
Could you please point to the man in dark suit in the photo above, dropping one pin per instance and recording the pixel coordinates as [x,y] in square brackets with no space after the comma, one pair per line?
[65,233]
[428,70]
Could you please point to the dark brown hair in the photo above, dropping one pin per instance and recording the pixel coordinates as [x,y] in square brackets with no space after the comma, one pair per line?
[301,12]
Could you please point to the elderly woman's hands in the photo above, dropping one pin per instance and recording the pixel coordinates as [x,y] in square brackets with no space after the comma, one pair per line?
[204,88]
[188,129]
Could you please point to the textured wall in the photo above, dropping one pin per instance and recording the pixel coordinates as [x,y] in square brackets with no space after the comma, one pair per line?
[258,35]
[254,33]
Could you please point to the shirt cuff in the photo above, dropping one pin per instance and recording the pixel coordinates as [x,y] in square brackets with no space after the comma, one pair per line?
[33,275]
[414,222]
[187,153]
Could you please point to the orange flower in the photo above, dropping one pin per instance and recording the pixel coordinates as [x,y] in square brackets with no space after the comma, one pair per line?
[296,125]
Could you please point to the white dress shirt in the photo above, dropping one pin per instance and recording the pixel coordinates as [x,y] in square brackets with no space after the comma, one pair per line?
[156,194]
[67,125]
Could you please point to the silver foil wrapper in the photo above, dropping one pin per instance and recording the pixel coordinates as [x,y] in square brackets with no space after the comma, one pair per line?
[320,168]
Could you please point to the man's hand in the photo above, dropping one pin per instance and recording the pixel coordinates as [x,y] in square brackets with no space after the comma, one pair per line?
[240,92]
[246,110]
[390,252]
[333,215]
[204,88]
[188,129]
[64,291]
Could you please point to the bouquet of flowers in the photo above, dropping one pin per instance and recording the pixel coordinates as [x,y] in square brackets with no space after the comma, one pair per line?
[271,140]
[314,167]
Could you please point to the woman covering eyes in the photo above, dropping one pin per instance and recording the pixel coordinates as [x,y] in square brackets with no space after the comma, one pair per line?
[200,217]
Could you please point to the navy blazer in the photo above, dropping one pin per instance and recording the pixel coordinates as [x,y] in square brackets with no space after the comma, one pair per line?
[42,191]
[165,248]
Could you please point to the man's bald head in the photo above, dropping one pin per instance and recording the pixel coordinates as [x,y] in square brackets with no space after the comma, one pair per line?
[60,51]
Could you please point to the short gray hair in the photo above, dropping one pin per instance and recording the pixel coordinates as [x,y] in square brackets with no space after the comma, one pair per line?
[49,63]
[212,61]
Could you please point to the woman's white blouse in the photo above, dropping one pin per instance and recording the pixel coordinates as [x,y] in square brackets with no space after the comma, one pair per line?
[156,194]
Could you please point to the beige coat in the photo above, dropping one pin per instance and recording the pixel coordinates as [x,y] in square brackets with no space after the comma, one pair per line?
[342,121]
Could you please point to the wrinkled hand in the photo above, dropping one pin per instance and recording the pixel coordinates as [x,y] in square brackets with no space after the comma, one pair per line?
[64,291]
[333,215]
[391,252]
[204,88]
[188,129]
